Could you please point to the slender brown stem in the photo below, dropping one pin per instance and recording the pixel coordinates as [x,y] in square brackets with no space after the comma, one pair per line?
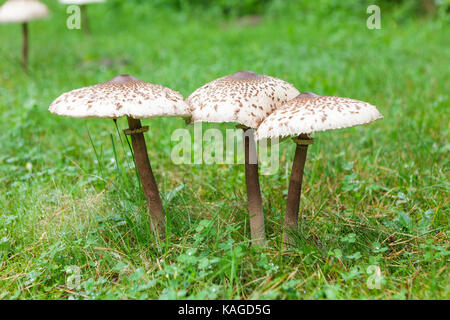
[25,45]
[148,181]
[84,16]
[294,192]
[257,228]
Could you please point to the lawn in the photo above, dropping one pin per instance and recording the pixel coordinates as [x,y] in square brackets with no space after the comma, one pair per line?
[375,204]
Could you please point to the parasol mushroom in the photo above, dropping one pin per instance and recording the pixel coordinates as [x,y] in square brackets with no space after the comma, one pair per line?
[305,114]
[23,11]
[246,98]
[127,96]
[83,7]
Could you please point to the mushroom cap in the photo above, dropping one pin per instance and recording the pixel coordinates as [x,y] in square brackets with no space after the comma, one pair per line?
[309,113]
[244,97]
[80,2]
[21,11]
[123,95]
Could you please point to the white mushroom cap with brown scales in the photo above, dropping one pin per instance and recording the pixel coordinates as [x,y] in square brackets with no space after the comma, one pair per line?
[309,113]
[21,11]
[300,116]
[246,98]
[123,95]
[243,97]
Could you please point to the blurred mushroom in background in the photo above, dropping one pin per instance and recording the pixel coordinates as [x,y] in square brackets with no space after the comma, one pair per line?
[23,11]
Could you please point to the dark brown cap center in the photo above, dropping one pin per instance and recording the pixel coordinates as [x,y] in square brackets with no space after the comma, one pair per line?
[123,78]
[244,75]
[307,95]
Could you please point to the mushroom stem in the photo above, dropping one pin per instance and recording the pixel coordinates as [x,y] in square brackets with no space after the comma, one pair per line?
[144,169]
[257,228]
[295,189]
[25,45]
[84,16]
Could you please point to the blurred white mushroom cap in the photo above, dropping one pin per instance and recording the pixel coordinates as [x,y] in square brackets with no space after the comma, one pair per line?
[21,11]
[80,2]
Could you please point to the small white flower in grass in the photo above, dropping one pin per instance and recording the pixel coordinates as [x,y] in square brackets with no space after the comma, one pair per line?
[29,166]
[190,252]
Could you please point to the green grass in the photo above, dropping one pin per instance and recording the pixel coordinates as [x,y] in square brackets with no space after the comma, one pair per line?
[375,195]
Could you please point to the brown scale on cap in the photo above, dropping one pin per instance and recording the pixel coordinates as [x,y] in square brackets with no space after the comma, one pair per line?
[254,94]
